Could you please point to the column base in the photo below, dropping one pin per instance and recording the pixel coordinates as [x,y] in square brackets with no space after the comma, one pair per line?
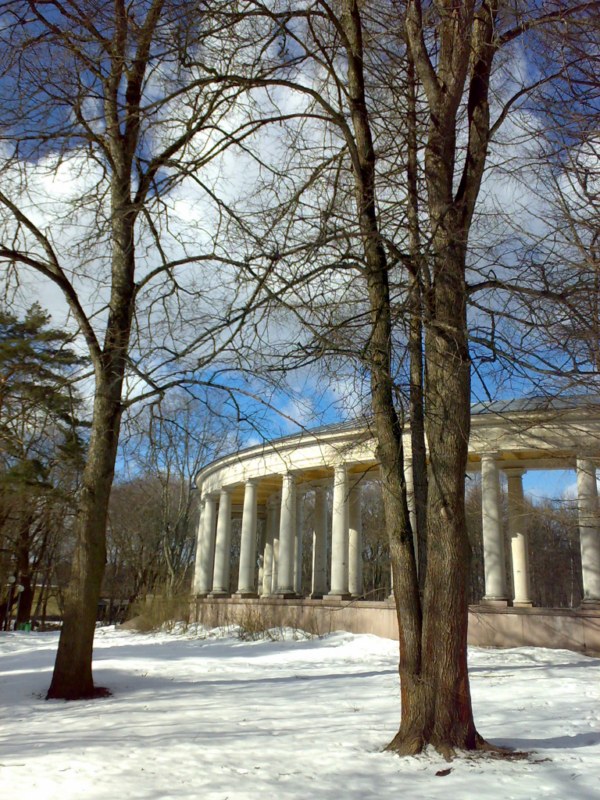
[339,596]
[201,595]
[316,595]
[522,604]
[496,602]
[245,595]
[285,595]
[590,604]
[219,593]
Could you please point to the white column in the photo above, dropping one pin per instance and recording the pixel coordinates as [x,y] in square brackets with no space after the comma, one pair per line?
[198,583]
[246,580]
[298,543]
[223,545]
[355,578]
[517,529]
[589,530]
[319,554]
[494,561]
[276,522]
[339,533]
[261,538]
[205,557]
[268,551]
[287,535]
[409,477]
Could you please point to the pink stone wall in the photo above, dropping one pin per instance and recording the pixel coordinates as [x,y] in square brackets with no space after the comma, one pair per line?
[488,627]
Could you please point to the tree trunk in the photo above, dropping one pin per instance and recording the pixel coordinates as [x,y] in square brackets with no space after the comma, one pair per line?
[72,678]
[418,280]
[442,715]
[388,425]
[434,683]
[25,597]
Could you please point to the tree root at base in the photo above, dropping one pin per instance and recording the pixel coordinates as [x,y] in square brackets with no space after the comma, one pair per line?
[97,692]
[417,745]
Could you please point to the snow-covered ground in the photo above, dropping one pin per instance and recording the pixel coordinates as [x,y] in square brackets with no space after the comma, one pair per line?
[204,716]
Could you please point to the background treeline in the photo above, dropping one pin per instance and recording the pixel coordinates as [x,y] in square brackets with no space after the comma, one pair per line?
[43,438]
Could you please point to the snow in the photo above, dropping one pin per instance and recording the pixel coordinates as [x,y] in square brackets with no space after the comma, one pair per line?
[202,715]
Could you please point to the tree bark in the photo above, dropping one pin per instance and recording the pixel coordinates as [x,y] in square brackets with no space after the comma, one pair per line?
[72,677]
[25,597]
[444,716]
[418,287]
[388,425]
[435,695]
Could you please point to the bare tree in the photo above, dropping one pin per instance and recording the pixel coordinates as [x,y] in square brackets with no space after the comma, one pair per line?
[153,509]
[108,108]
[440,57]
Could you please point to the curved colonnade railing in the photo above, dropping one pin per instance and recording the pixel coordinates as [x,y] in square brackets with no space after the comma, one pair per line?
[270,482]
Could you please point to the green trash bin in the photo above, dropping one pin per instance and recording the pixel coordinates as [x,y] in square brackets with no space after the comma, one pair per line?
[25,626]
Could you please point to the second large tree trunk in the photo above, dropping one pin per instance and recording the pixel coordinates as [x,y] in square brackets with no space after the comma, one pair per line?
[442,715]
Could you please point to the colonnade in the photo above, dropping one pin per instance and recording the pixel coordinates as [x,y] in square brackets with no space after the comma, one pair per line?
[496,590]
[281,550]
[281,555]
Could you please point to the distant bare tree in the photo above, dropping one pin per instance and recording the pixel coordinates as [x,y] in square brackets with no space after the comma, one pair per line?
[153,509]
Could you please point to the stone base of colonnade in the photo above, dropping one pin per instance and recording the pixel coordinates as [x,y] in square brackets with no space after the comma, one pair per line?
[571,629]
[316,616]
[559,628]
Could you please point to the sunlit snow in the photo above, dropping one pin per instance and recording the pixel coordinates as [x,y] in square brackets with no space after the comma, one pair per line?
[202,715]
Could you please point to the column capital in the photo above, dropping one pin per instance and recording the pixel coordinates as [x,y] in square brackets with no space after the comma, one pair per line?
[339,463]
[318,483]
[340,471]
[514,472]
[489,455]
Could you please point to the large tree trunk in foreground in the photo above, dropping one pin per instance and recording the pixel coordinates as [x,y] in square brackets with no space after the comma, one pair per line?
[436,703]
[72,678]
[438,709]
